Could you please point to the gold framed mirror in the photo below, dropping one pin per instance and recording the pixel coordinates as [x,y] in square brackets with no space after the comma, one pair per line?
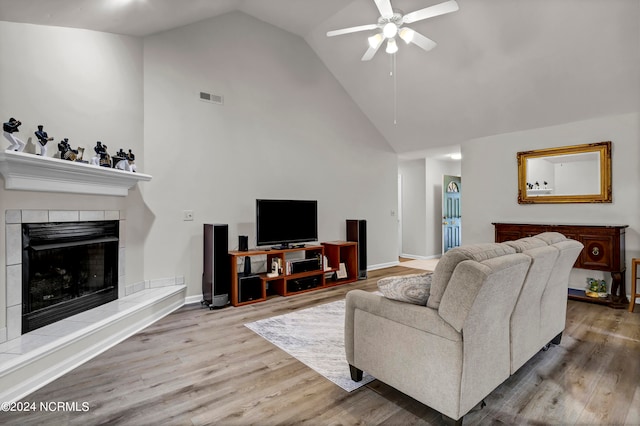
[567,174]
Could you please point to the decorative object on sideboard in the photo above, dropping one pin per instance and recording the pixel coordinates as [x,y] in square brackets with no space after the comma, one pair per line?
[9,128]
[596,288]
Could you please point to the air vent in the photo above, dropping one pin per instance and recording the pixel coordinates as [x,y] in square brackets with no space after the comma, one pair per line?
[214,99]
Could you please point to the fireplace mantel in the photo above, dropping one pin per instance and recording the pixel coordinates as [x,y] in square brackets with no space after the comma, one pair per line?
[30,172]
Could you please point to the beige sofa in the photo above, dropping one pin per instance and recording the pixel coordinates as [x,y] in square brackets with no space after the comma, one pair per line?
[490,307]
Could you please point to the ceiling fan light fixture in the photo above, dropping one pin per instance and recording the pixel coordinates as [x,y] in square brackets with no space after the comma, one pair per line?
[392,46]
[375,40]
[390,30]
[406,34]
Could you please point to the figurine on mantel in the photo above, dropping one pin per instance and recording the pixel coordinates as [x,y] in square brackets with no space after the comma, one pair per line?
[43,138]
[98,149]
[131,158]
[102,158]
[9,128]
[105,158]
[66,152]
[120,160]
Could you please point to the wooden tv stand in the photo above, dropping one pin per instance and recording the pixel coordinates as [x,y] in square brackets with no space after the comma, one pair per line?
[604,250]
[288,283]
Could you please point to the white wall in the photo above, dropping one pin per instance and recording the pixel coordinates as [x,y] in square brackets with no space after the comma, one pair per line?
[491,179]
[83,85]
[414,208]
[422,205]
[287,130]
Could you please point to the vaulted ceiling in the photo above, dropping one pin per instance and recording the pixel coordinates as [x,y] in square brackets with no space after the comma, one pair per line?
[500,65]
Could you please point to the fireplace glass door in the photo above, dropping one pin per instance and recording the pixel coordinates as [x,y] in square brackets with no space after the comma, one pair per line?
[67,269]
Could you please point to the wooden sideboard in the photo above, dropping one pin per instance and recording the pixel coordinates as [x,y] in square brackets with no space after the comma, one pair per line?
[604,250]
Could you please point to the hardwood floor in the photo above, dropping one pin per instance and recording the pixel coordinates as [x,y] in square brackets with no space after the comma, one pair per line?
[199,367]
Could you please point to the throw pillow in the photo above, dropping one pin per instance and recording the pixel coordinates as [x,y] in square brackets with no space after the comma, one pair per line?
[413,288]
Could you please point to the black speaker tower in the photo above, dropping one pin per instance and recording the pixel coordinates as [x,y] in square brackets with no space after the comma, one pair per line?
[216,275]
[357,231]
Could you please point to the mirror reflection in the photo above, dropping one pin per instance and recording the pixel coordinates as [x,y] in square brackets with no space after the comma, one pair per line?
[574,174]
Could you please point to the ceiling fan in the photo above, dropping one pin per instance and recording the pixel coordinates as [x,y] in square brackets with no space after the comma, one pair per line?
[391,23]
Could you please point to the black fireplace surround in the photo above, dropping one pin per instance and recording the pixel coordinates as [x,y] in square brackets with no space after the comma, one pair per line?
[67,268]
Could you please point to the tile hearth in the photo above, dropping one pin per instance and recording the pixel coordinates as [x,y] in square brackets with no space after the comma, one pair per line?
[31,344]
[36,358]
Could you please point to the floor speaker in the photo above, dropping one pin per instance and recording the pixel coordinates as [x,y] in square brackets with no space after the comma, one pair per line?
[216,275]
[357,231]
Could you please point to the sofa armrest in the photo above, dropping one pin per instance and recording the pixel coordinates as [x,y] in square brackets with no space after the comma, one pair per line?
[415,316]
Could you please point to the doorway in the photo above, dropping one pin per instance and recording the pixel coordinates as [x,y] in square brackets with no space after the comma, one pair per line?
[451,212]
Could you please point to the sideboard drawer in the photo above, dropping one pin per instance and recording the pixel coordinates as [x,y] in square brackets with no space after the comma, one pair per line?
[597,253]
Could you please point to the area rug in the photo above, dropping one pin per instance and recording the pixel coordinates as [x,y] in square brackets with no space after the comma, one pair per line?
[425,264]
[315,337]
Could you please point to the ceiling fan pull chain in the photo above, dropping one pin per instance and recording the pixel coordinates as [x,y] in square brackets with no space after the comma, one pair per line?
[395,89]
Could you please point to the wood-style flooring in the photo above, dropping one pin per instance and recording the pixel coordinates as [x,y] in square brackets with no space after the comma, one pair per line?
[198,367]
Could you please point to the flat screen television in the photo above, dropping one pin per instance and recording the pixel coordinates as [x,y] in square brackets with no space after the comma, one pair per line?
[283,222]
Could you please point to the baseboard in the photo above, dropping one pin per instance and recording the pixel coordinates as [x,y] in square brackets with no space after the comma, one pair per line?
[418,257]
[192,299]
[382,265]
[51,361]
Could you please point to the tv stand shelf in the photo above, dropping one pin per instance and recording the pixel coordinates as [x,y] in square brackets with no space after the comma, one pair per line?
[288,283]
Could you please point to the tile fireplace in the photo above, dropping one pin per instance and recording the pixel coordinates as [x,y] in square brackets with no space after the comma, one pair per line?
[70,263]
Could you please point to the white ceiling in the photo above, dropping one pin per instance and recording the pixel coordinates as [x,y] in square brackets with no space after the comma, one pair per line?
[500,65]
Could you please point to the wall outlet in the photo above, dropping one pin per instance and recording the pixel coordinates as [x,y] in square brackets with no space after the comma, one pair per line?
[187,215]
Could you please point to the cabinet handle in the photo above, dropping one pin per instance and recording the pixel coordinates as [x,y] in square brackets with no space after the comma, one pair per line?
[595,251]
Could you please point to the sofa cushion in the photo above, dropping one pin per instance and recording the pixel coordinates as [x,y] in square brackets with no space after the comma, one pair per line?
[449,261]
[551,237]
[412,288]
[528,243]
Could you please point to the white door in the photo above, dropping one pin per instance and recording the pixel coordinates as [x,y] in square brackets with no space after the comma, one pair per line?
[451,216]
[399,215]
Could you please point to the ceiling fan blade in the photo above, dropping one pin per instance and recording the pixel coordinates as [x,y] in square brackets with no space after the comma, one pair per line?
[419,40]
[374,44]
[352,30]
[430,12]
[384,7]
